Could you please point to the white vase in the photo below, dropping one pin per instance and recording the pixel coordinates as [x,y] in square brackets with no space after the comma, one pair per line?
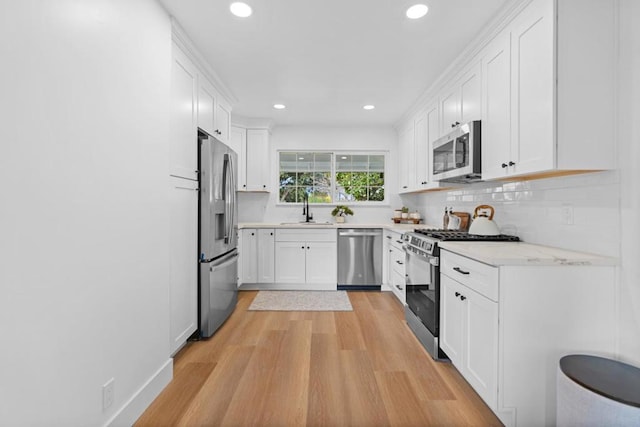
[339,219]
[405,215]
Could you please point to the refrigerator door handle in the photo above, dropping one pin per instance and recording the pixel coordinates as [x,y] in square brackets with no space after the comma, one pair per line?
[228,206]
[232,194]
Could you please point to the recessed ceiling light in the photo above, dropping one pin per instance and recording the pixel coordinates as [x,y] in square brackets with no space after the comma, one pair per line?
[417,11]
[369,107]
[344,157]
[241,10]
[279,106]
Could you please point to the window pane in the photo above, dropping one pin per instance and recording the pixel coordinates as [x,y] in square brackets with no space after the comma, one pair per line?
[305,162]
[322,162]
[343,162]
[287,178]
[376,179]
[376,194]
[288,194]
[305,178]
[360,163]
[376,163]
[320,195]
[287,162]
[322,179]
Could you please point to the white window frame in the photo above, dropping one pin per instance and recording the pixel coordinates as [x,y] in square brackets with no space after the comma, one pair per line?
[335,153]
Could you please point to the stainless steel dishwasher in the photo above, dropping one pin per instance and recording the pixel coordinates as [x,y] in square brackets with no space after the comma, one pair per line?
[359,258]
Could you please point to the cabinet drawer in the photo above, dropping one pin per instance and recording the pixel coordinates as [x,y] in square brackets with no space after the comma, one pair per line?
[397,262]
[305,235]
[480,277]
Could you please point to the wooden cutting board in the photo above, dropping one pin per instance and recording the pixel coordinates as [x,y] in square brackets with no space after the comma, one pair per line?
[465,220]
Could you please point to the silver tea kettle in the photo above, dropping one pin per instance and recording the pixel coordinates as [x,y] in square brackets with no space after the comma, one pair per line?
[483,225]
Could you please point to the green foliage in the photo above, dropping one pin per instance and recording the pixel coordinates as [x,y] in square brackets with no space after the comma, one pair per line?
[405,209]
[341,210]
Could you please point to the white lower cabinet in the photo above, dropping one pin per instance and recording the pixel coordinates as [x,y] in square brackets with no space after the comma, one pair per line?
[469,336]
[393,265]
[306,259]
[183,261]
[257,263]
[506,327]
[288,258]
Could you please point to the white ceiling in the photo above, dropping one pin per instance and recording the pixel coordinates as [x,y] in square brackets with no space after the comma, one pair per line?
[325,59]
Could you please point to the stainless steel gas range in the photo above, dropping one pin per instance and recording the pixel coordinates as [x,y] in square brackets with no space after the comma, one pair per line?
[422,261]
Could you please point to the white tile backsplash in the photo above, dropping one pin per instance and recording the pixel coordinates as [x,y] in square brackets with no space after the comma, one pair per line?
[533,210]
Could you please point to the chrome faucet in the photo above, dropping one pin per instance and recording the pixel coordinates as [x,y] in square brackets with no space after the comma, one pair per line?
[305,208]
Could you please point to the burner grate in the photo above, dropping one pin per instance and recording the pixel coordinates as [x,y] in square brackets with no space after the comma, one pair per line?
[464,236]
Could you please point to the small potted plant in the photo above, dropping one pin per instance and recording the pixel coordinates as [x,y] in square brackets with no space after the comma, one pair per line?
[405,212]
[340,211]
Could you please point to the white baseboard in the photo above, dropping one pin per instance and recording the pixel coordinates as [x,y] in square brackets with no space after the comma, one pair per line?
[131,411]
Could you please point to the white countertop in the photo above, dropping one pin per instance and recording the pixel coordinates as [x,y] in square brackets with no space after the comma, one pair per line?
[524,254]
[399,228]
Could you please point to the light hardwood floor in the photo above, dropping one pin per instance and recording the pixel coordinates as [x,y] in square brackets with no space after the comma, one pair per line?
[359,368]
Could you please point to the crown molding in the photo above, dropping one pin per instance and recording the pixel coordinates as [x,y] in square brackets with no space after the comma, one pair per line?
[180,37]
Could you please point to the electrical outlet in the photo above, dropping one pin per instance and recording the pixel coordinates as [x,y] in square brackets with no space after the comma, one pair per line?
[107,393]
[566,214]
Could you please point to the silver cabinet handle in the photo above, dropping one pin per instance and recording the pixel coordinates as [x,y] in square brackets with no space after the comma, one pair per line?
[399,262]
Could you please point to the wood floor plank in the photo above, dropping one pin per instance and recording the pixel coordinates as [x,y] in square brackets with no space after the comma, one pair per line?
[174,400]
[401,403]
[349,332]
[364,402]
[286,403]
[327,395]
[210,405]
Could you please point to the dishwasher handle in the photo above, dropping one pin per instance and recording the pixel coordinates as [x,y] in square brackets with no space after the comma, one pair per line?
[342,233]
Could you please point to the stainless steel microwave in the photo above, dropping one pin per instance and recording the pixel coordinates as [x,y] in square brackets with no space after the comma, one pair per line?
[456,156]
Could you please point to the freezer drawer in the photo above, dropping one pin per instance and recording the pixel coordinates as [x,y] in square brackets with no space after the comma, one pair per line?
[218,291]
[360,258]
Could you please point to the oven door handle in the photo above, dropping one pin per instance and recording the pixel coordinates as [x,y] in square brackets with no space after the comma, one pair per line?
[433,260]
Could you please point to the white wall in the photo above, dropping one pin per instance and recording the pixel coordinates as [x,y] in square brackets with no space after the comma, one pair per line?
[84,220]
[606,205]
[257,207]
[629,149]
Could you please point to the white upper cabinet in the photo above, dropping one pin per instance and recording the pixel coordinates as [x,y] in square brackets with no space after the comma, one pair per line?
[406,156]
[257,160]
[238,143]
[496,111]
[421,150]
[207,99]
[195,103]
[222,119]
[461,103]
[183,133]
[557,118]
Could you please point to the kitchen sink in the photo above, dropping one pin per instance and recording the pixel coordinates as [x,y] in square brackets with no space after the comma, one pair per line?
[306,223]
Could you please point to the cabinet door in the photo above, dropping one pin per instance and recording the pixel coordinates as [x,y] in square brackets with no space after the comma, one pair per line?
[406,158]
[481,346]
[433,133]
[290,262]
[471,95]
[322,263]
[249,256]
[450,109]
[222,119]
[532,89]
[265,255]
[421,142]
[238,143]
[451,321]
[206,105]
[496,113]
[258,158]
[183,144]
[183,263]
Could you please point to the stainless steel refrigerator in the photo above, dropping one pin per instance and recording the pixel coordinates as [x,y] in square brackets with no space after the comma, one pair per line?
[218,293]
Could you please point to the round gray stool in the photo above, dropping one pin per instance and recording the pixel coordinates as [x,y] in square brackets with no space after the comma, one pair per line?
[595,391]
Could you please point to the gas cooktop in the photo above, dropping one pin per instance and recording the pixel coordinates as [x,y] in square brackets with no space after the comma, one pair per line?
[464,236]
